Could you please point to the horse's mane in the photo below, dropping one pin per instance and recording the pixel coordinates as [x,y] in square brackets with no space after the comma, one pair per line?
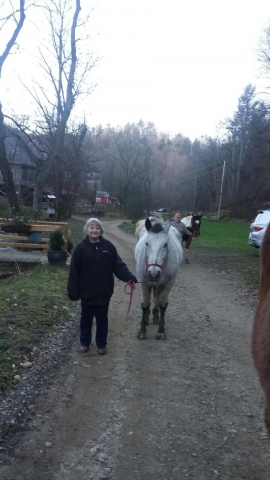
[155,219]
[265,249]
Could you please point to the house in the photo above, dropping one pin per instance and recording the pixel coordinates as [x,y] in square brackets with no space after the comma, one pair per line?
[93,181]
[103,197]
[22,156]
[25,157]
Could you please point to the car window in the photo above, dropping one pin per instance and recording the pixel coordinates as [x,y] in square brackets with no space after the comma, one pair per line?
[263,218]
[258,216]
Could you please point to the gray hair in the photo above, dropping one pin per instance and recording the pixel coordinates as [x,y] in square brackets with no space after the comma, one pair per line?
[93,220]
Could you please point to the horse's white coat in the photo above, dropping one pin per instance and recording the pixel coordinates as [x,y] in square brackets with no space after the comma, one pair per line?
[141,223]
[164,249]
[187,220]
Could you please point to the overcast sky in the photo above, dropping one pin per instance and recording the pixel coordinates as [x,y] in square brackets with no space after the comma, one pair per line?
[179,64]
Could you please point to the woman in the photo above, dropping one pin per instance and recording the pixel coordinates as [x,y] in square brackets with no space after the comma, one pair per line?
[186,235]
[180,226]
[93,265]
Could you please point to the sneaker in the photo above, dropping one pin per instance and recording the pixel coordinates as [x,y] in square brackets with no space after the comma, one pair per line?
[102,351]
[84,349]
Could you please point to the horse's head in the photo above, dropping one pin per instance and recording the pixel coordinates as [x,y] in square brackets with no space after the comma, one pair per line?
[196,224]
[156,247]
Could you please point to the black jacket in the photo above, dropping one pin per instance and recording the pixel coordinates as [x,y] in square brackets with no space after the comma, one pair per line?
[91,272]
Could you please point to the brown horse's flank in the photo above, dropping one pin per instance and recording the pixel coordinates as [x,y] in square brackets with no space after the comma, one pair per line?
[261,327]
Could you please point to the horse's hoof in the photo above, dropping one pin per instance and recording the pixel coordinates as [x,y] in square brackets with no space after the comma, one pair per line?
[161,336]
[155,320]
[142,336]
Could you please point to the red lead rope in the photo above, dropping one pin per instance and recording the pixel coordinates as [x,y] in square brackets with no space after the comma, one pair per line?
[132,286]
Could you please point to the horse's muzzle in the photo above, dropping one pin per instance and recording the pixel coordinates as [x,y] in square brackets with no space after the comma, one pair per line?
[154,276]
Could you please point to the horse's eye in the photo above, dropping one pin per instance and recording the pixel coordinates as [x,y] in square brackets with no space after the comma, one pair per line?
[146,244]
[165,245]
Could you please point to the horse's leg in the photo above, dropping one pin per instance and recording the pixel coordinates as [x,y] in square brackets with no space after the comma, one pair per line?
[162,302]
[156,308]
[267,414]
[188,242]
[265,382]
[146,291]
[161,335]
[142,333]
[162,295]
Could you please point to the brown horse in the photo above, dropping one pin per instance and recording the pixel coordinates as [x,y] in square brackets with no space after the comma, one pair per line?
[261,327]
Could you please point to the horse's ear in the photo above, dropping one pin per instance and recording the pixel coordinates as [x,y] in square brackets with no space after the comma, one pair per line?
[148,225]
[167,226]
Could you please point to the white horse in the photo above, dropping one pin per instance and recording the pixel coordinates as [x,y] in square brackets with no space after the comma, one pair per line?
[141,223]
[158,255]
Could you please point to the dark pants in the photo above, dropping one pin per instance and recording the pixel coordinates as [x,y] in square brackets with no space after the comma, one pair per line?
[88,312]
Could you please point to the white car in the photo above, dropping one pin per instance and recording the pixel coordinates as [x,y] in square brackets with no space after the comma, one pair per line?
[258,227]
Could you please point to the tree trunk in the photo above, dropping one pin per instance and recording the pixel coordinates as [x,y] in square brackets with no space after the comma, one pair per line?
[6,170]
[37,197]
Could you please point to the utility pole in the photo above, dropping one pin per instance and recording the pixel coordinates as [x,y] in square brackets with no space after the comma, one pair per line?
[195,185]
[221,188]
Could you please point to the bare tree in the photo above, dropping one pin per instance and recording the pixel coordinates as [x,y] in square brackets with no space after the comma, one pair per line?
[17,16]
[66,67]
[123,169]
[263,53]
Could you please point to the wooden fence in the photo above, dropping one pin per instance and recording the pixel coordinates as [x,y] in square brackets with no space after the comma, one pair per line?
[21,241]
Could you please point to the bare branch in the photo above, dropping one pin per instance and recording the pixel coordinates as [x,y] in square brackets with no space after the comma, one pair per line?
[14,36]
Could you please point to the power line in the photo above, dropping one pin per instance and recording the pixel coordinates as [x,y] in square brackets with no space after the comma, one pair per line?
[208,166]
[212,171]
[193,176]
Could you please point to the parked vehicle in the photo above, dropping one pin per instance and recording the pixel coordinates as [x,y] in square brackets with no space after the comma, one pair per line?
[258,227]
[162,210]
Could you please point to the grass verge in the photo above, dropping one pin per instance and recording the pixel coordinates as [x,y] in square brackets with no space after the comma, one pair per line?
[76,233]
[32,305]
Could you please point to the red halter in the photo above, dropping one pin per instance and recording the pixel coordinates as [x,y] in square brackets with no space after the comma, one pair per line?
[152,264]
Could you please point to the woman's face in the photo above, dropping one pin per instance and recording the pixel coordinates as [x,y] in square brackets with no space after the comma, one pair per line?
[93,232]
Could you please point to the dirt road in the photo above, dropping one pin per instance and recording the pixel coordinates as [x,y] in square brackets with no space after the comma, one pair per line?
[186,407]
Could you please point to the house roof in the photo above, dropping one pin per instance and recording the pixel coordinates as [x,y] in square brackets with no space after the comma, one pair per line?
[22,149]
[102,194]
